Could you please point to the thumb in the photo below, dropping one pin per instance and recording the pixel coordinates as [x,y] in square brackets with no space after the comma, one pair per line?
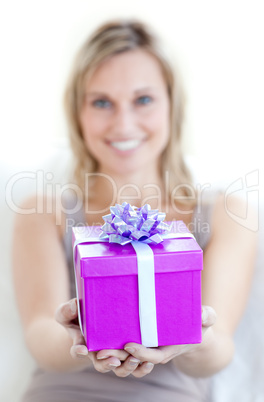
[208,316]
[66,313]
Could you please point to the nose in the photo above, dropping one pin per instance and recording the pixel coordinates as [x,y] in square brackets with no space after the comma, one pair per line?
[123,121]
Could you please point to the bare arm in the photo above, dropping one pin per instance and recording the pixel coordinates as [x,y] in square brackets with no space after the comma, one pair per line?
[41,285]
[228,267]
[49,318]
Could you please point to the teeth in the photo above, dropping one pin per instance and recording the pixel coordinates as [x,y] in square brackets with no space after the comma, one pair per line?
[126,145]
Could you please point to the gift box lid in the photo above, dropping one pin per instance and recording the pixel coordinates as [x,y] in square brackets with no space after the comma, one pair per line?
[110,259]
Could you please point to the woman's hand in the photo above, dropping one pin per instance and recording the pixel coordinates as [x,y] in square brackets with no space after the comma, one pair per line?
[141,360]
[163,354]
[119,361]
[67,316]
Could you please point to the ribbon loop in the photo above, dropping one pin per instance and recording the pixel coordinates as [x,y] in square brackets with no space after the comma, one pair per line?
[134,224]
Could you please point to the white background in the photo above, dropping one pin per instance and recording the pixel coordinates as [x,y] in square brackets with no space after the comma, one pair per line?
[219,49]
[218,45]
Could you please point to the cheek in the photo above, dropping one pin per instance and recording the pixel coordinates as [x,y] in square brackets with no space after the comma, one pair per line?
[159,124]
[92,126]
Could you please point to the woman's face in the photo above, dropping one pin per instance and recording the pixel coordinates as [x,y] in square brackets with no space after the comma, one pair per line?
[125,114]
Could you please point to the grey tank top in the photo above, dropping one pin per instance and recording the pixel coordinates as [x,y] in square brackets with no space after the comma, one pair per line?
[164,384]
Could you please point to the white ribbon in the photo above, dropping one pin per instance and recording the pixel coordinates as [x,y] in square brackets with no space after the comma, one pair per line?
[146,294]
[146,285]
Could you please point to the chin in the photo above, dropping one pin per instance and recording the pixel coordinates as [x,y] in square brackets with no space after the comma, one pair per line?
[123,169]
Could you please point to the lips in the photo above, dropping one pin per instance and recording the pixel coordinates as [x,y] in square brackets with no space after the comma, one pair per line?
[127,145]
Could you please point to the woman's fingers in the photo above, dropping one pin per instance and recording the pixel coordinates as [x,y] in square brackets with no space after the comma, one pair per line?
[143,369]
[154,355]
[159,355]
[119,353]
[126,368]
[133,366]
[78,349]
[66,315]
[104,365]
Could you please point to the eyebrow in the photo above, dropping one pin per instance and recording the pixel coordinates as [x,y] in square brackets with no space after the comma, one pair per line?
[145,89]
[95,93]
[137,91]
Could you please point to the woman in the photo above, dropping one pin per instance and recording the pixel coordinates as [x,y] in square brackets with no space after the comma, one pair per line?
[125,111]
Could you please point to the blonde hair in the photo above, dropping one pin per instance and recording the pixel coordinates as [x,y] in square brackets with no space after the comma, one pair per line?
[112,38]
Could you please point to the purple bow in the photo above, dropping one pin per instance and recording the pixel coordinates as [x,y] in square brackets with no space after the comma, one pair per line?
[127,223]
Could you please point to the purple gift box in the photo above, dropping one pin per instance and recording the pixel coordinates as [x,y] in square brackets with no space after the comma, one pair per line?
[108,290]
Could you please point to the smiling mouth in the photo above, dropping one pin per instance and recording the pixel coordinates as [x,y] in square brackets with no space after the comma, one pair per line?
[126,145]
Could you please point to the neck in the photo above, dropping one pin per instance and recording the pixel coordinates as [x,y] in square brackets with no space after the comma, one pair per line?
[137,188]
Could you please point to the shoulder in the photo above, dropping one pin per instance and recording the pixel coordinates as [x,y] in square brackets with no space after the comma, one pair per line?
[233,219]
[39,212]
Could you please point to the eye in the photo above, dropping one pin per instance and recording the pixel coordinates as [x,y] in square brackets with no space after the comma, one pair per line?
[144,100]
[102,104]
